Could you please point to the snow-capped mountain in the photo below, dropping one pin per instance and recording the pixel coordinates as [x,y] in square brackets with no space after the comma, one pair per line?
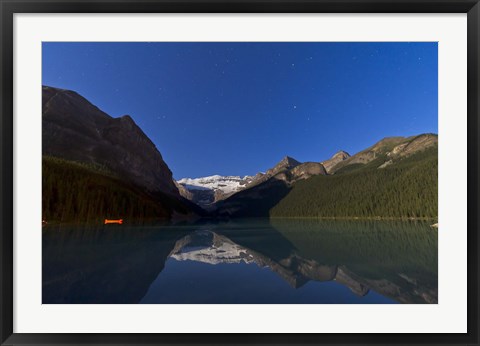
[226,184]
[207,190]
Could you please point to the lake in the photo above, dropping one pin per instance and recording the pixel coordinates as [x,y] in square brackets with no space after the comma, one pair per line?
[290,261]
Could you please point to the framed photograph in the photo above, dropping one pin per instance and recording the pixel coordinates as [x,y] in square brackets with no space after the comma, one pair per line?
[246,172]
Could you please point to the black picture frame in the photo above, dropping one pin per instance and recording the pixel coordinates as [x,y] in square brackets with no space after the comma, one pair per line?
[7,10]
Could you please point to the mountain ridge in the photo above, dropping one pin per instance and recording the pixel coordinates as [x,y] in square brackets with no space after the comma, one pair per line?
[389,147]
[391,155]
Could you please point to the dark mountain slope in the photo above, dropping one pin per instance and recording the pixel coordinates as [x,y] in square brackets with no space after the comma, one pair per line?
[263,194]
[254,202]
[76,130]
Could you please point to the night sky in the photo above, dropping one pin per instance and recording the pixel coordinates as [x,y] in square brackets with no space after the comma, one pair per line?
[238,108]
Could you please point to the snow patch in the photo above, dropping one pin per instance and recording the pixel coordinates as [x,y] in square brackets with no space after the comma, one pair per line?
[226,184]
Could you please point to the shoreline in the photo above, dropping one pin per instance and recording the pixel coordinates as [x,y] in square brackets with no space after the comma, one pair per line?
[373,218]
[195,220]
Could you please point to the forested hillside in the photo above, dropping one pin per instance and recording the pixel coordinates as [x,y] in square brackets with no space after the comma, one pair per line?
[408,188]
[75,192]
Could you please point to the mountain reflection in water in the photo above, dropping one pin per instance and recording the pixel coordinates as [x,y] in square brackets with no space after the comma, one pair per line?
[260,261]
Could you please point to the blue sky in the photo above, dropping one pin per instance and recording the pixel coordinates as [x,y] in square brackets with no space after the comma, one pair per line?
[238,108]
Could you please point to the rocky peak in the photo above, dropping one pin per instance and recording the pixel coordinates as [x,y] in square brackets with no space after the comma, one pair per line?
[341,155]
[334,160]
[286,163]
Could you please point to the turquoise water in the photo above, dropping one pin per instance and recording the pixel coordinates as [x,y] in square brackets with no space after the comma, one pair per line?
[247,261]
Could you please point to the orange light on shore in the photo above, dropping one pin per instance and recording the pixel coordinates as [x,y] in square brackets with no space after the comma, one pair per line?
[119,221]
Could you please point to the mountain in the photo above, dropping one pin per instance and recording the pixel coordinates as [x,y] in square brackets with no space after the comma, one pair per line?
[95,166]
[207,190]
[74,129]
[266,190]
[396,177]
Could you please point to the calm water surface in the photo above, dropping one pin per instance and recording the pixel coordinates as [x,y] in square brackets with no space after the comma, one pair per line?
[261,261]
